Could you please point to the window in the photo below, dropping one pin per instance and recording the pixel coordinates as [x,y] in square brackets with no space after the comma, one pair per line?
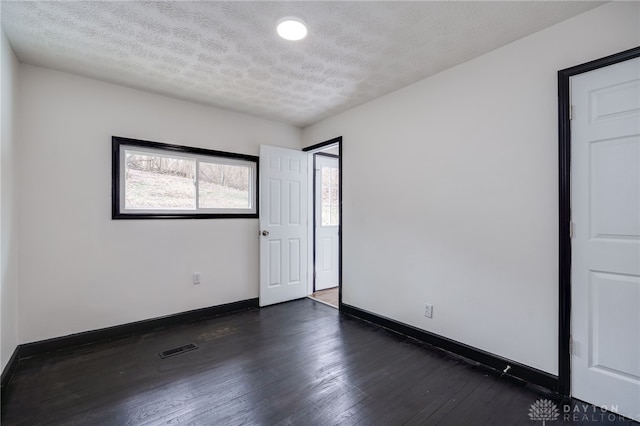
[153,180]
[329,198]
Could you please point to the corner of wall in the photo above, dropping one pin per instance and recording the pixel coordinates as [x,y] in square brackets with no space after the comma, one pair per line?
[8,217]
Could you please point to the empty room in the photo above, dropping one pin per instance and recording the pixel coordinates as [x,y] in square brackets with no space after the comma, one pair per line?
[320,213]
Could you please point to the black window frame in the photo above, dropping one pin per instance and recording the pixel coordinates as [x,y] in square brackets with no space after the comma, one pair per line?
[118,142]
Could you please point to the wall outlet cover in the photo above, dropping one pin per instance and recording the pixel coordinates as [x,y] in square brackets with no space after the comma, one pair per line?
[428,310]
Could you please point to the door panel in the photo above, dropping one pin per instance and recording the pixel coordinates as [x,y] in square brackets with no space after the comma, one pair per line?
[326,226]
[274,200]
[616,177]
[605,209]
[295,261]
[283,225]
[294,203]
[275,263]
[613,300]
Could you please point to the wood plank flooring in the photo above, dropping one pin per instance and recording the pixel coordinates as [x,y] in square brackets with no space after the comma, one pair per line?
[297,363]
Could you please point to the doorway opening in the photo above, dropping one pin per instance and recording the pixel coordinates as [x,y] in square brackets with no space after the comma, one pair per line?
[325,228]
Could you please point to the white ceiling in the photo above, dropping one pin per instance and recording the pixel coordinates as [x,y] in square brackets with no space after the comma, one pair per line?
[227,54]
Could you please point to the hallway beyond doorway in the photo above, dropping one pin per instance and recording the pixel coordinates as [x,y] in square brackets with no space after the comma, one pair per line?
[328,296]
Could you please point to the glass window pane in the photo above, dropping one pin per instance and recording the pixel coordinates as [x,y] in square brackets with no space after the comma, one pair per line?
[326,185]
[159,182]
[326,215]
[223,186]
[334,215]
[330,196]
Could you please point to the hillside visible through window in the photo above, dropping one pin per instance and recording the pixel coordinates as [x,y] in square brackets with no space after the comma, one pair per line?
[158,182]
[223,186]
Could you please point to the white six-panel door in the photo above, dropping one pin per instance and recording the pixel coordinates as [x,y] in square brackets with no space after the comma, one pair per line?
[283,225]
[327,224]
[605,209]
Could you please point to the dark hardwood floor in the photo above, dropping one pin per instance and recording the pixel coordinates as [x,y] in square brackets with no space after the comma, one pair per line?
[298,363]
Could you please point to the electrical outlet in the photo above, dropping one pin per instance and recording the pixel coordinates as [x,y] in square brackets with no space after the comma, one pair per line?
[196,277]
[428,310]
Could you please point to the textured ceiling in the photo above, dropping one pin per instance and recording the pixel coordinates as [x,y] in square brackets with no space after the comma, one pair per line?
[227,54]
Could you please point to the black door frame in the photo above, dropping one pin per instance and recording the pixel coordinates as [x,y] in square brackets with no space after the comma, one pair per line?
[564,163]
[335,141]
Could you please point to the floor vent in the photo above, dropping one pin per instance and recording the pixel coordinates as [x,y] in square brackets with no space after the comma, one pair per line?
[178,351]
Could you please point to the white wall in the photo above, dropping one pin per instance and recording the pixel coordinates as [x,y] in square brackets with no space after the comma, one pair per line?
[79,270]
[450,191]
[8,205]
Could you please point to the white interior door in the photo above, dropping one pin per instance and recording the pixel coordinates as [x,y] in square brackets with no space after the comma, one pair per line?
[605,206]
[327,225]
[283,225]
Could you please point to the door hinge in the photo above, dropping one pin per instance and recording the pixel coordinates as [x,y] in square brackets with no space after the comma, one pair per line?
[570,112]
[570,229]
[570,345]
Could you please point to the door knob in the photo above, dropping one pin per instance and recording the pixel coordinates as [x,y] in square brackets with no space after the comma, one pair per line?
[265,233]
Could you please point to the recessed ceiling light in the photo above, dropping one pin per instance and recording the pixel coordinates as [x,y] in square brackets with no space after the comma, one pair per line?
[290,28]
